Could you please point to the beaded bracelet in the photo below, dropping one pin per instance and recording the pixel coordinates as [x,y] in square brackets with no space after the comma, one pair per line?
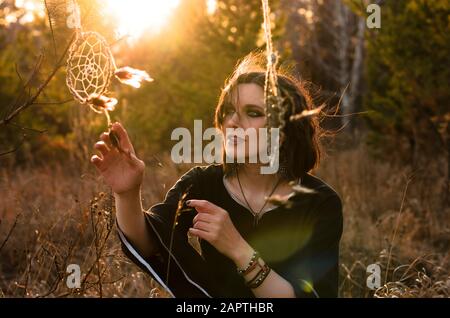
[259,278]
[250,266]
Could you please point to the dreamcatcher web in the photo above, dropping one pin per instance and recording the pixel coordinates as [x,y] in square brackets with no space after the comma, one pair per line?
[90,67]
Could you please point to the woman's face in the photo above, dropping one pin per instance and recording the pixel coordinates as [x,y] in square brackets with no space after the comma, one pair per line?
[247,112]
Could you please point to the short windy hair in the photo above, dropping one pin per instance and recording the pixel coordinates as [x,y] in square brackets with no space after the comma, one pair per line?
[300,150]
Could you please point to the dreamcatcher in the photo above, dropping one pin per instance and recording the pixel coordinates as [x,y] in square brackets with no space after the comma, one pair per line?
[91,67]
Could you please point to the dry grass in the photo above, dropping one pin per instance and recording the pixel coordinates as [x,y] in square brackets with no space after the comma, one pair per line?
[62,214]
[394,219]
[54,216]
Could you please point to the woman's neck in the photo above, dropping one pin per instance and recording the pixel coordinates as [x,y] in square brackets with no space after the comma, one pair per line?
[250,176]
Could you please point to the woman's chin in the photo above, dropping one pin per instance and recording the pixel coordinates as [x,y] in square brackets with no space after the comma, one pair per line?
[236,158]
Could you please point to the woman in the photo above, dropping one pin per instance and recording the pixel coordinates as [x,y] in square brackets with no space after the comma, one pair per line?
[249,246]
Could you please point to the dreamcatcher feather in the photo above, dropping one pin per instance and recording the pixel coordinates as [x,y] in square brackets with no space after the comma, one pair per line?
[91,67]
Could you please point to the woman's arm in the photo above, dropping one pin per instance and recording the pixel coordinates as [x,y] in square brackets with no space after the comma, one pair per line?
[132,222]
[274,286]
[123,172]
[214,225]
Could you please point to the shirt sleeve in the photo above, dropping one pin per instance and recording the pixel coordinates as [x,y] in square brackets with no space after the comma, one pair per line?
[313,270]
[177,266]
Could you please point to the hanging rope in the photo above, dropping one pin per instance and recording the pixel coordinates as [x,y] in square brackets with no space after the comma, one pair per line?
[272,96]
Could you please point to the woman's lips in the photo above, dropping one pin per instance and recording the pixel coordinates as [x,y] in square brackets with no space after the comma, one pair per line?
[234,140]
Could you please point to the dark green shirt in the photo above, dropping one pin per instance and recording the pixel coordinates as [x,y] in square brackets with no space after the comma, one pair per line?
[299,241]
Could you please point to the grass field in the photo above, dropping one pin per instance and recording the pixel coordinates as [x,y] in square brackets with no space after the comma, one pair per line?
[61,214]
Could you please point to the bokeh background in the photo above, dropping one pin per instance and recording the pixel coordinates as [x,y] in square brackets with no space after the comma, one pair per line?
[388,159]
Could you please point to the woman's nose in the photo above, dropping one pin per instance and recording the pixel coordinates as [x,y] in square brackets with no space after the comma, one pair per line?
[234,121]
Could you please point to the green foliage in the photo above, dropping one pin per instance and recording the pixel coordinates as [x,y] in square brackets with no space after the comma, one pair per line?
[190,62]
[408,76]
[45,129]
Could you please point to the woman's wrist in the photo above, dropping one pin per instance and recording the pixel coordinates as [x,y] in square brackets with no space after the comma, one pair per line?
[129,194]
[242,254]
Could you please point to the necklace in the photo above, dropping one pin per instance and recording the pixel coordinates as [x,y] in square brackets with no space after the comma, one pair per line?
[256,215]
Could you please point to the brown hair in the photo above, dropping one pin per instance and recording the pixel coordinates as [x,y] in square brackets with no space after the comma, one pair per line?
[300,150]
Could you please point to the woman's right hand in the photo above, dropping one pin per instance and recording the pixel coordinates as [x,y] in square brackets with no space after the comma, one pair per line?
[121,170]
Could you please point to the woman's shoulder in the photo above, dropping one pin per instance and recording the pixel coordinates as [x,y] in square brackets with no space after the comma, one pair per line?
[204,172]
[318,186]
[321,196]
[195,181]
[202,175]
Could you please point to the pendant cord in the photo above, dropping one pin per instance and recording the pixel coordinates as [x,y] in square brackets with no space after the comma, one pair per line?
[256,215]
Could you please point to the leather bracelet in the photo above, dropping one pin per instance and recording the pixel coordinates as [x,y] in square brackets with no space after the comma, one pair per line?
[251,281]
[259,278]
[251,265]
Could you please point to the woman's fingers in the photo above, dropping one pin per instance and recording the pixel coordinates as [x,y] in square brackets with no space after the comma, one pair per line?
[122,135]
[204,206]
[105,147]
[205,217]
[97,161]
[200,233]
[105,138]
[200,225]
[102,147]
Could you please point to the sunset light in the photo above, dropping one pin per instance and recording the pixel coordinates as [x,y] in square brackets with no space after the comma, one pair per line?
[134,17]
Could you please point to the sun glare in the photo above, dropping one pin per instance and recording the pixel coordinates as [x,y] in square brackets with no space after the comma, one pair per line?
[137,16]
[211,6]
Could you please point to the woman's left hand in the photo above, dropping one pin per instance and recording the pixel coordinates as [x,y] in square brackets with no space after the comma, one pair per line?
[213,224]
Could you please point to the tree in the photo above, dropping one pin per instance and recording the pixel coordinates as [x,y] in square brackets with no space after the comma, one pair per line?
[408,85]
[327,39]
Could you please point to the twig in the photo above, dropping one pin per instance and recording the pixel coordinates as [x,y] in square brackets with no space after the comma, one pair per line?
[14,149]
[391,245]
[18,73]
[349,275]
[55,283]
[10,231]
[59,271]
[175,223]
[25,86]
[32,99]
[51,25]
[55,103]
[99,251]
[29,270]
[94,224]
[23,138]
[28,128]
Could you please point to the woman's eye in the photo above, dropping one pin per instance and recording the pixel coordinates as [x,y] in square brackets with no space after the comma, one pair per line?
[228,112]
[253,113]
